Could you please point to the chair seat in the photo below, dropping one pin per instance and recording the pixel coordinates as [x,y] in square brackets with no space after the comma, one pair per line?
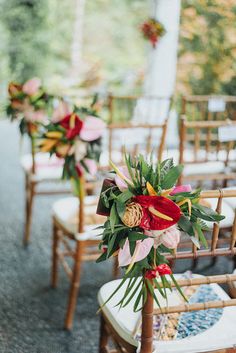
[65,211]
[47,168]
[231,201]
[227,211]
[204,168]
[124,321]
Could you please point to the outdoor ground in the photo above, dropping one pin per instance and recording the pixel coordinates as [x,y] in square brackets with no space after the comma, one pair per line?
[31,313]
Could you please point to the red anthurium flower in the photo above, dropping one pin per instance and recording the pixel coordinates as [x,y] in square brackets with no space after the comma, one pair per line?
[163,270]
[158,212]
[73,124]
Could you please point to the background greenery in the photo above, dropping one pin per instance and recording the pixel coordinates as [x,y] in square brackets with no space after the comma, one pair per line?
[36,38]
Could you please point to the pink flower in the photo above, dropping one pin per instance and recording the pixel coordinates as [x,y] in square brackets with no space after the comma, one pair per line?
[170,237]
[181,188]
[35,116]
[92,128]
[91,165]
[32,86]
[60,112]
[142,250]
[122,185]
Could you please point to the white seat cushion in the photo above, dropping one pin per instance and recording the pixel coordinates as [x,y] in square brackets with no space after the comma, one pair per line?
[65,211]
[227,211]
[231,201]
[204,168]
[124,321]
[49,168]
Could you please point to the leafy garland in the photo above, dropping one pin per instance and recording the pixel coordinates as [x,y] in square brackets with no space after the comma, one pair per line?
[74,134]
[145,214]
[152,30]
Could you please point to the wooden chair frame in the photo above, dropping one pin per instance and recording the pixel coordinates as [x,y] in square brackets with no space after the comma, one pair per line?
[85,250]
[31,192]
[107,330]
[196,138]
[191,103]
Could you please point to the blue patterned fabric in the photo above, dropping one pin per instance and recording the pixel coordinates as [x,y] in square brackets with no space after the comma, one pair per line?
[195,322]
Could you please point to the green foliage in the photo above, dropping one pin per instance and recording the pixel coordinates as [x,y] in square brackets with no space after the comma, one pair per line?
[207,56]
[27,47]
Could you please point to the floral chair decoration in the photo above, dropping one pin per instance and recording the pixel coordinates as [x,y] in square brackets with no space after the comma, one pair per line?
[146,214]
[75,138]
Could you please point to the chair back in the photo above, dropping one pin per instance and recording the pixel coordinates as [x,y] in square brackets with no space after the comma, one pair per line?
[207,142]
[217,107]
[133,139]
[143,109]
[229,249]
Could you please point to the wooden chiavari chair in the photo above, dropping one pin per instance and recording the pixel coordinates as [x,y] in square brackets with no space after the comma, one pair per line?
[121,325]
[75,238]
[43,175]
[198,107]
[204,156]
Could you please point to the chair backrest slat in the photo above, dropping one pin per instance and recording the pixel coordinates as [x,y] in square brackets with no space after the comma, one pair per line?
[200,143]
[196,107]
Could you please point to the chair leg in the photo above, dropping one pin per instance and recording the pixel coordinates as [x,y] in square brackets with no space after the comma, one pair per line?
[30,192]
[74,285]
[115,270]
[103,341]
[54,279]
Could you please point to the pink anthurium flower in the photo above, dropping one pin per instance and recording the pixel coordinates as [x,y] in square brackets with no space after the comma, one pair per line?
[121,177]
[170,237]
[91,166]
[32,86]
[181,188]
[92,128]
[142,250]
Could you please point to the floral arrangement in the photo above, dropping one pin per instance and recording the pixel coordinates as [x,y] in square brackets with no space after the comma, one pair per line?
[74,135]
[153,30]
[146,214]
[28,102]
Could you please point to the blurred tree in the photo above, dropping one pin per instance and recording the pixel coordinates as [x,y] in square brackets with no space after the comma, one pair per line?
[26,27]
[207,55]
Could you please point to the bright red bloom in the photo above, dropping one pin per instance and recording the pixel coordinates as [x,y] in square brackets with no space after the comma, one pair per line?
[169,212]
[163,270]
[150,274]
[73,124]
